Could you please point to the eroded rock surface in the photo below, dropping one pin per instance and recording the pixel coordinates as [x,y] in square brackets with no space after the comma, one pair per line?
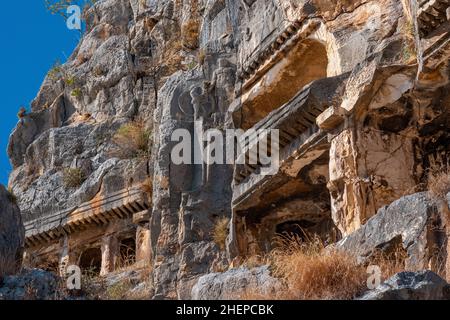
[235,283]
[359,91]
[31,285]
[412,224]
[424,285]
[12,234]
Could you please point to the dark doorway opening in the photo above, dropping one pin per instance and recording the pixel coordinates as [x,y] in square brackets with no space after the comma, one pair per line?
[91,260]
[127,251]
[297,229]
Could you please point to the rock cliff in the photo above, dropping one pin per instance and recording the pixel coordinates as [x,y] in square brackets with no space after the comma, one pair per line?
[358,91]
[12,234]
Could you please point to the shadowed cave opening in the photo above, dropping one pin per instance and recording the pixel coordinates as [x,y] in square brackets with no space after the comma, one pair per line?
[127,251]
[297,229]
[91,260]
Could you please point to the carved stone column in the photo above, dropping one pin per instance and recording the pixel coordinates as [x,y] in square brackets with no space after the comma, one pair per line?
[110,251]
[368,170]
[143,250]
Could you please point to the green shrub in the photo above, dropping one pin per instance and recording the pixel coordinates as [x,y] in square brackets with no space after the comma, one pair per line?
[73,177]
[192,65]
[55,72]
[70,80]
[59,7]
[76,93]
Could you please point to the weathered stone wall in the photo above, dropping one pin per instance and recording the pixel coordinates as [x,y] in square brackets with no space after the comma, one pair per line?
[415,224]
[364,85]
[11,234]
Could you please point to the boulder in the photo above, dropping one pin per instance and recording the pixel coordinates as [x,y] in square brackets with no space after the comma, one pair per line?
[230,284]
[423,285]
[30,285]
[12,234]
[412,223]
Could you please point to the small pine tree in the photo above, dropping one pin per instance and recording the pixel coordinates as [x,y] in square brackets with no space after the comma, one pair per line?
[22,113]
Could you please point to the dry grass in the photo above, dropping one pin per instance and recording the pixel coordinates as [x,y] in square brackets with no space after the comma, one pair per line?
[191,28]
[220,232]
[95,287]
[201,57]
[73,177]
[172,59]
[390,264]
[126,259]
[126,290]
[439,184]
[82,117]
[132,141]
[255,261]
[438,187]
[190,33]
[147,185]
[119,290]
[312,272]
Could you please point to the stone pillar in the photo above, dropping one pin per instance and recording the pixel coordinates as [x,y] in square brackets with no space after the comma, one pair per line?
[347,205]
[110,251]
[242,241]
[368,170]
[69,255]
[143,250]
[64,256]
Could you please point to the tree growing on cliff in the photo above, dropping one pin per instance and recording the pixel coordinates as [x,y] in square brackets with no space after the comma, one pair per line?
[59,7]
[22,113]
[73,11]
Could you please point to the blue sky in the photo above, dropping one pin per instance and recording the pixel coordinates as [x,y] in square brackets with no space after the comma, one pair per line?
[31,41]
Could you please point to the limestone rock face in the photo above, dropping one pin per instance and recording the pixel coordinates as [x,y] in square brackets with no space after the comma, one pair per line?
[358,90]
[138,61]
[31,285]
[74,117]
[235,282]
[411,224]
[424,285]
[11,234]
